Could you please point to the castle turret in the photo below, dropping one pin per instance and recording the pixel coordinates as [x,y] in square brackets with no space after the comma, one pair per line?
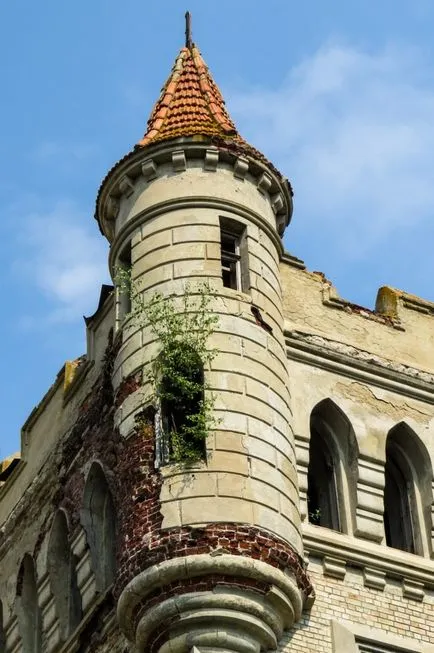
[209,550]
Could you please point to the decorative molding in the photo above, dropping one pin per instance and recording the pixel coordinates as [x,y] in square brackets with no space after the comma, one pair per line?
[374,578]
[126,186]
[211,159]
[277,203]
[320,542]
[412,590]
[113,206]
[241,168]
[335,567]
[149,169]
[140,163]
[251,620]
[179,161]
[358,364]
[264,182]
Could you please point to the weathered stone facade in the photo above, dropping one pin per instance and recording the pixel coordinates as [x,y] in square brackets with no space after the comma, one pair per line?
[309,523]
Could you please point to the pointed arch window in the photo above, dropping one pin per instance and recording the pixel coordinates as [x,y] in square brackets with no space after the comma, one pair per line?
[407,492]
[63,578]
[332,470]
[322,490]
[98,519]
[27,608]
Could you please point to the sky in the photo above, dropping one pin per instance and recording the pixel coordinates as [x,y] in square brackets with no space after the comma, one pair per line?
[339,95]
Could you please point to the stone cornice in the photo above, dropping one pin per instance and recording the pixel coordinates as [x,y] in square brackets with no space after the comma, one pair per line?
[145,163]
[355,552]
[359,364]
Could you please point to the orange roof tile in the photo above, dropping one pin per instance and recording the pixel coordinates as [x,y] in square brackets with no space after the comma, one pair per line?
[190,103]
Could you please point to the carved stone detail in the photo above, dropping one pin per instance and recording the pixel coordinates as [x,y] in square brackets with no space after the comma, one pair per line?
[126,186]
[241,167]
[179,161]
[211,159]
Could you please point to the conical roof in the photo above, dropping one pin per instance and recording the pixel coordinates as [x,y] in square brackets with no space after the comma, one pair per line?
[190,103]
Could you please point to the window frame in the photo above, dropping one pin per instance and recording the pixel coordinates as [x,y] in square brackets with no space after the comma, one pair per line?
[236,257]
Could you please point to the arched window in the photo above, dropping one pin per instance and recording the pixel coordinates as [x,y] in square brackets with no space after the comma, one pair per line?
[63,579]
[332,471]
[98,519]
[2,630]
[27,608]
[407,492]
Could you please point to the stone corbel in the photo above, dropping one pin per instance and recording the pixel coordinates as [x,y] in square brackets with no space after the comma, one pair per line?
[211,159]
[277,203]
[334,567]
[264,182]
[374,578]
[412,590]
[241,167]
[126,186]
[179,161]
[149,169]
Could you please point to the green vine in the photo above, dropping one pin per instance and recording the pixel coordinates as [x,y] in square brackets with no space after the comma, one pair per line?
[182,325]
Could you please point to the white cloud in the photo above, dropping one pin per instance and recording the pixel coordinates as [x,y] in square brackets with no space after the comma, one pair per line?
[64,256]
[354,131]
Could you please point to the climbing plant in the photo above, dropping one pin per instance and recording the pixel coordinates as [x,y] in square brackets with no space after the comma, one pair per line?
[182,326]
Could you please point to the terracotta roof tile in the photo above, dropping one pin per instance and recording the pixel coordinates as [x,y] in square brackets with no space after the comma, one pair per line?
[190,103]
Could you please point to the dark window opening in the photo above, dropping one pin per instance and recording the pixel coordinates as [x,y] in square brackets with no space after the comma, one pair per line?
[99,522]
[398,493]
[322,498]
[234,255]
[182,395]
[27,608]
[230,259]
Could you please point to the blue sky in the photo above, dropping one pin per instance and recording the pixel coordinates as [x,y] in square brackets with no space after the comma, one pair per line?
[340,95]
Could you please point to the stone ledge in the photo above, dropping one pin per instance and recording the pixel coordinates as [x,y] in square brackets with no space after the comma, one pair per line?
[416,571]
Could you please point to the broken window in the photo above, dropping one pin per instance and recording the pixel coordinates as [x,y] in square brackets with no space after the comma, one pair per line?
[322,502]
[234,263]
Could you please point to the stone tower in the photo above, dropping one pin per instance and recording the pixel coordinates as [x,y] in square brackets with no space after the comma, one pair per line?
[210,554]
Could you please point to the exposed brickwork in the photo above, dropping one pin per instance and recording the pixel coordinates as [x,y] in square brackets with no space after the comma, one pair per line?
[93,437]
[349,600]
[127,387]
[143,543]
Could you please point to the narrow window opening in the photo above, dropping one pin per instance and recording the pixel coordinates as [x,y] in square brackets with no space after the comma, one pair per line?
[398,495]
[63,578]
[234,258]
[28,612]
[322,500]
[98,519]
[182,435]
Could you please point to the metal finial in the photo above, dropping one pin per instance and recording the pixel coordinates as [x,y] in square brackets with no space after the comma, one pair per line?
[188,39]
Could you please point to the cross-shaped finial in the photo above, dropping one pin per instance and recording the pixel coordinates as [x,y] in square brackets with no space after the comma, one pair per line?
[188,39]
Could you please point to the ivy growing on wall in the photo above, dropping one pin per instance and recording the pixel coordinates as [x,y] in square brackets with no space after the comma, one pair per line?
[182,326]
